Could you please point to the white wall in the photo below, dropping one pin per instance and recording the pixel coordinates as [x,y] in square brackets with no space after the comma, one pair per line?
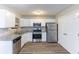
[68,30]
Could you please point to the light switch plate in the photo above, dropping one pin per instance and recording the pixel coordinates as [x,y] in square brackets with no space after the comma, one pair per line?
[65,33]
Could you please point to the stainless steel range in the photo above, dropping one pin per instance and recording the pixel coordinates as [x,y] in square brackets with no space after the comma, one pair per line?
[37,32]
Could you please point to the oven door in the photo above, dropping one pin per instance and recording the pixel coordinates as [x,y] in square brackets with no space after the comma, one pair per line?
[37,36]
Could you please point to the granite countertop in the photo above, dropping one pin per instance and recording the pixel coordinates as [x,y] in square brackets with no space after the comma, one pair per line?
[4,36]
[10,37]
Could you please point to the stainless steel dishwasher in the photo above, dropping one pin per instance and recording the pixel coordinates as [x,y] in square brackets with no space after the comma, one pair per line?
[17,45]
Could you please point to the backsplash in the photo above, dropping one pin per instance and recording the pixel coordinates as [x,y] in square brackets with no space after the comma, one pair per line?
[30,29]
[4,32]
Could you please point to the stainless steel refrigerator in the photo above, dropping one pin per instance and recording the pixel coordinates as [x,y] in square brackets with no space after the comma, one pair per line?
[51,32]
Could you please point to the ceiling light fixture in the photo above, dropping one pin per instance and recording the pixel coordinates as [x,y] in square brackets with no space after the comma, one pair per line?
[38,12]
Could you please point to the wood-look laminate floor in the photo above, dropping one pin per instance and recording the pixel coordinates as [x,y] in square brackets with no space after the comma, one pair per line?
[43,48]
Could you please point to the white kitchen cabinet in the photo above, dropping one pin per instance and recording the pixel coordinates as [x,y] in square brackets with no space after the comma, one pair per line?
[17,21]
[7,19]
[23,39]
[29,22]
[24,22]
[26,38]
[29,37]
[6,47]
[10,46]
[44,36]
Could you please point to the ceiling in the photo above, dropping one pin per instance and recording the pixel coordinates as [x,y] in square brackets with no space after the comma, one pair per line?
[27,9]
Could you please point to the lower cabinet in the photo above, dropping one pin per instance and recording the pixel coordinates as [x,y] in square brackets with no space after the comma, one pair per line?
[23,39]
[6,47]
[11,46]
[26,38]
[29,37]
[43,36]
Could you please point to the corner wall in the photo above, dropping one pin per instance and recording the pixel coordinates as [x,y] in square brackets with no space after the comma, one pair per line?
[68,29]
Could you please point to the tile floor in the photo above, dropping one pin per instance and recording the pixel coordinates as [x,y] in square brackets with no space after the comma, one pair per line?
[43,48]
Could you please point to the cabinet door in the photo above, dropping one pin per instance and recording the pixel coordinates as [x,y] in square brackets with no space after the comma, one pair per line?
[10,20]
[6,47]
[7,19]
[26,38]
[2,18]
[24,22]
[23,39]
[44,36]
[29,37]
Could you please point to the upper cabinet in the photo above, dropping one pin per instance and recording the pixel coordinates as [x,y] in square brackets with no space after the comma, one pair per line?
[17,21]
[29,22]
[7,19]
[24,22]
